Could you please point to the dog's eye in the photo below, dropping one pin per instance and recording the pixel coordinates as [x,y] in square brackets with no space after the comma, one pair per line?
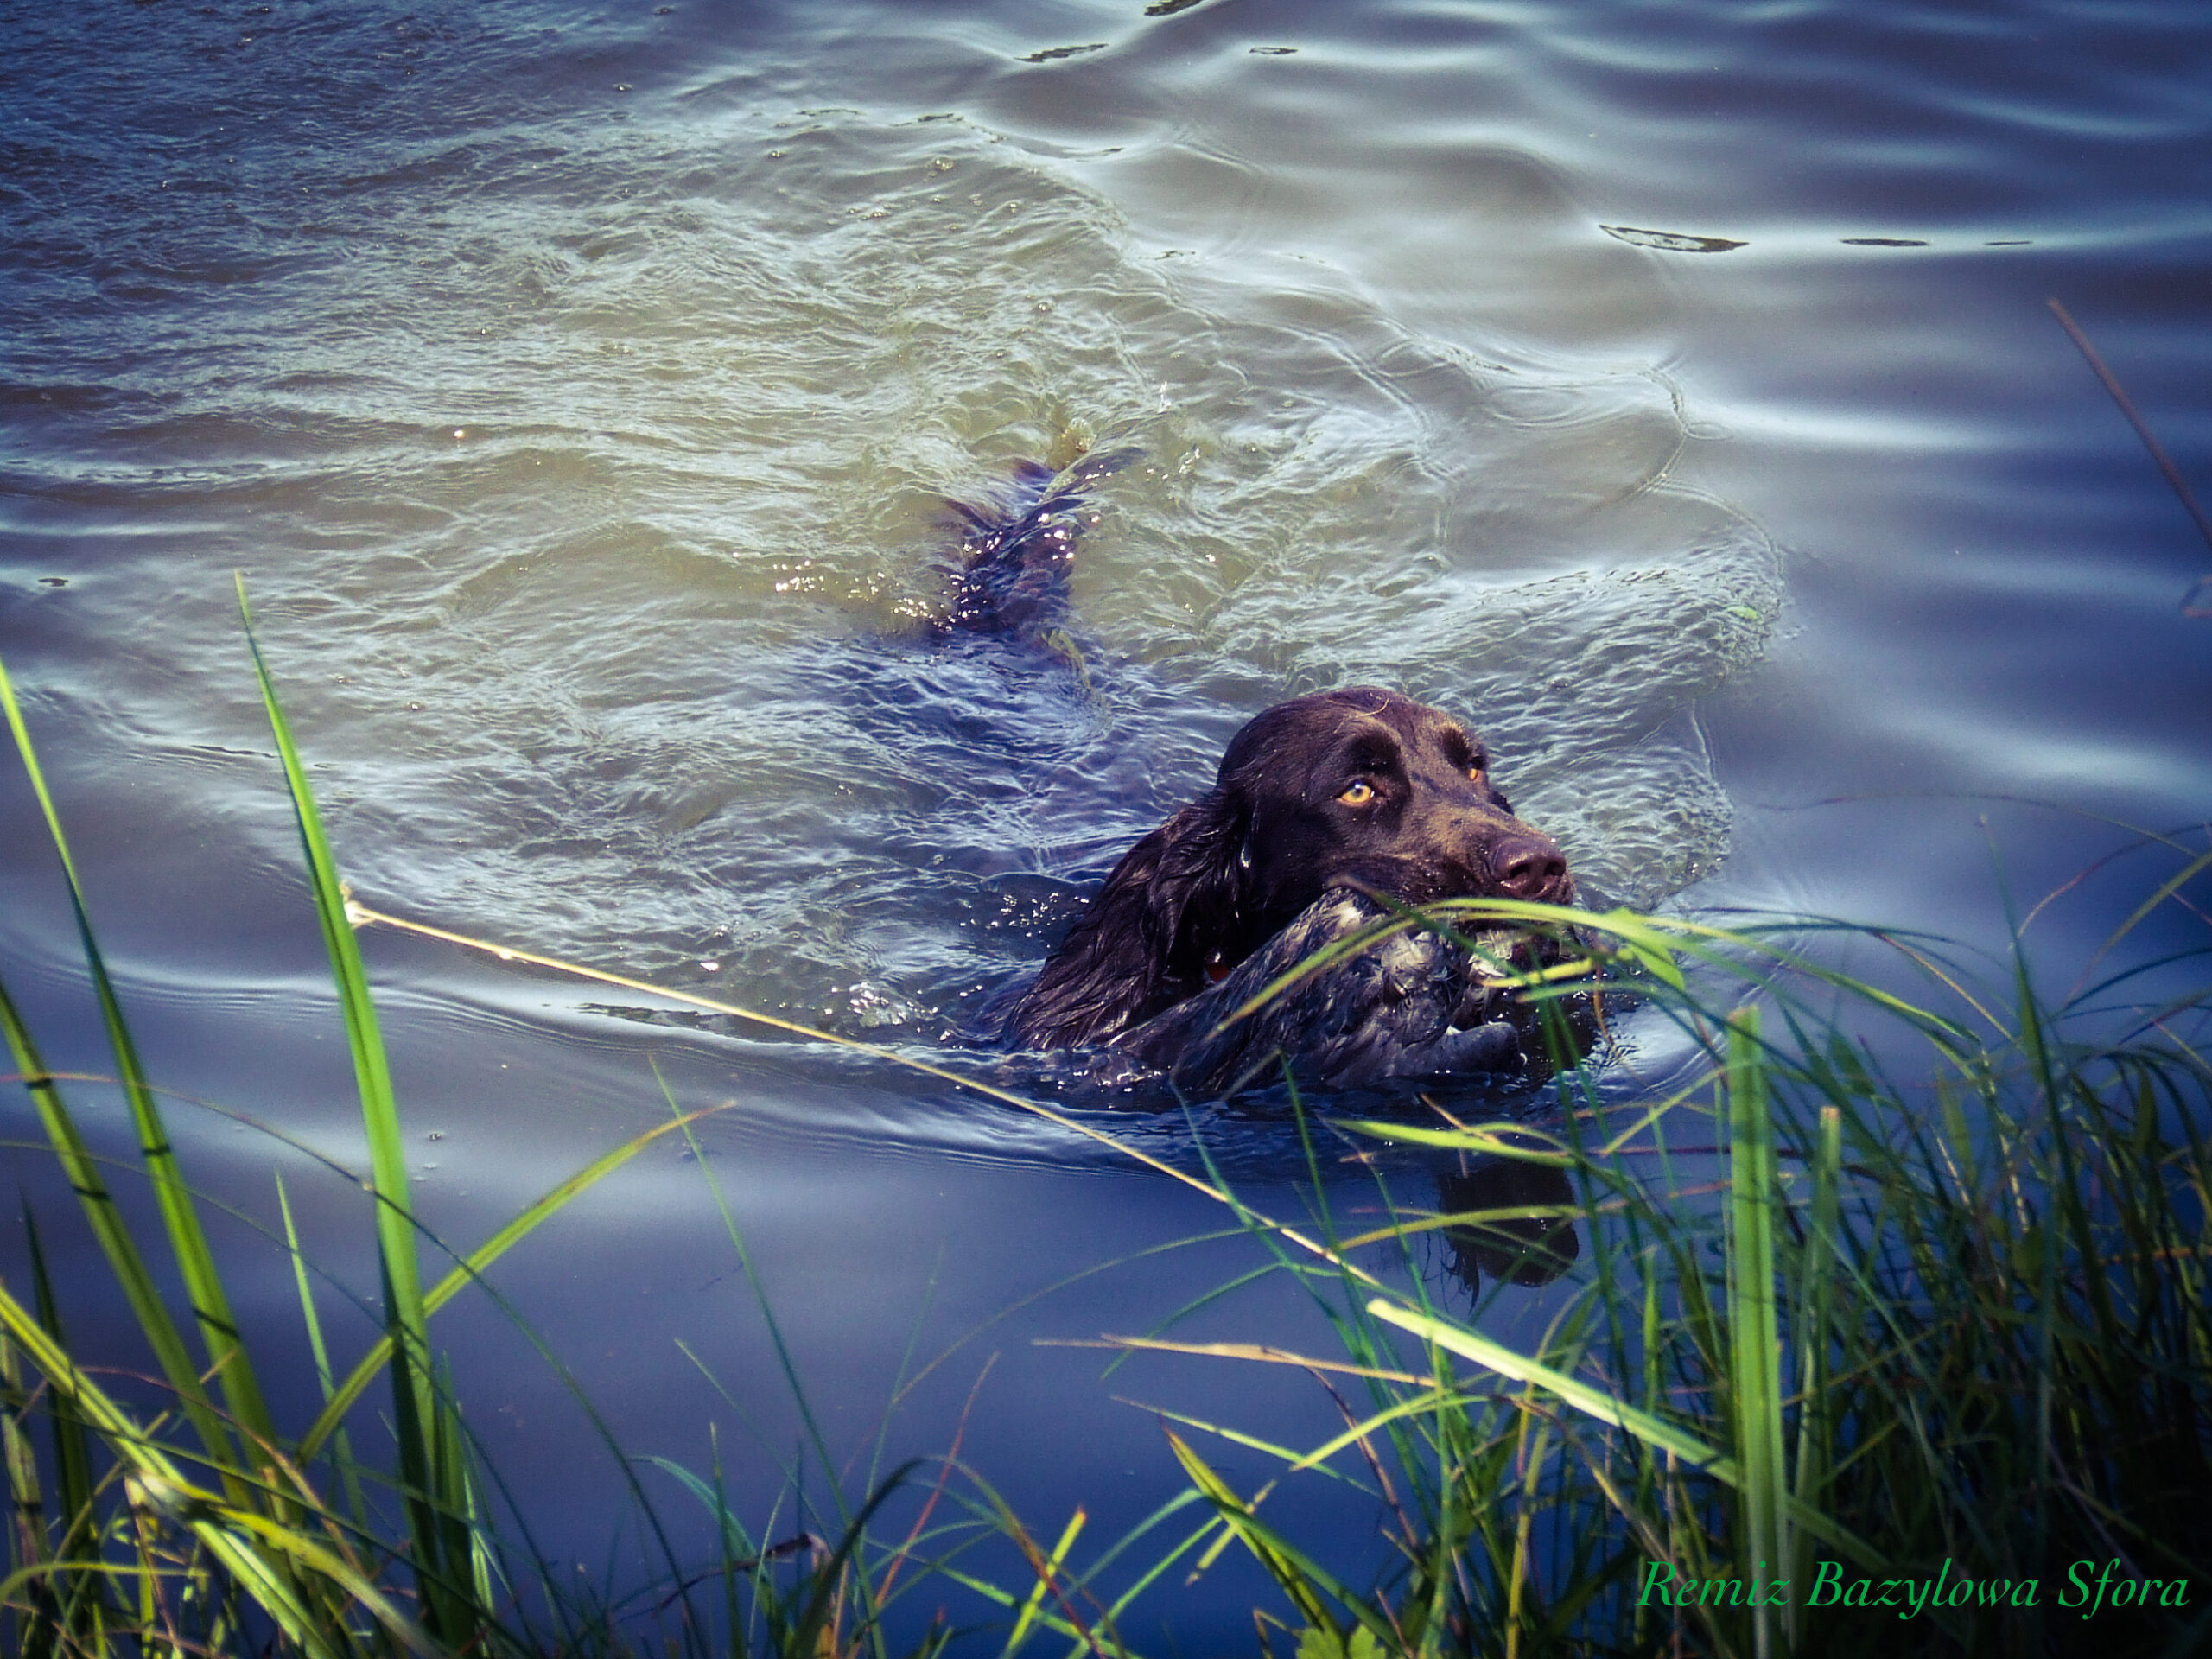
[1358,794]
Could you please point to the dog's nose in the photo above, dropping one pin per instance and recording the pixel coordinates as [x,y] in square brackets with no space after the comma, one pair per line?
[1528,867]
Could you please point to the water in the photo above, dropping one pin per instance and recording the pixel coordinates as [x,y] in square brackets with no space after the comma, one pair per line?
[578,395]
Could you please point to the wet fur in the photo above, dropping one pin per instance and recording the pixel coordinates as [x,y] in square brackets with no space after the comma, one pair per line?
[1274,864]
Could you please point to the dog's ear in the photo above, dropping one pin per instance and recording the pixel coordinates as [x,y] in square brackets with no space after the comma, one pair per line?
[1172,901]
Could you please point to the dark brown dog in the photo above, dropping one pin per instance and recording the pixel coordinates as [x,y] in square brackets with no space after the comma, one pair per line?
[1328,798]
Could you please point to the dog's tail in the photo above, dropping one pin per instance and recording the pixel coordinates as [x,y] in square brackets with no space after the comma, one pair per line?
[1018,549]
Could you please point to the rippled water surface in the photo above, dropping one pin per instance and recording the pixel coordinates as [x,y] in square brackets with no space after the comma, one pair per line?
[1669,389]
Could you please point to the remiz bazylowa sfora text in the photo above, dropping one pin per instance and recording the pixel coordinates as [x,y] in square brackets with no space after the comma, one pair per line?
[2089,1587]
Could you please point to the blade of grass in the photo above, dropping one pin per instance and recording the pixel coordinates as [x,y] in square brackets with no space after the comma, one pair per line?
[1290,1570]
[1822,1252]
[158,1485]
[364,915]
[350,1471]
[195,1262]
[400,1274]
[1592,1401]
[1049,1570]
[1755,1368]
[372,1071]
[31,1547]
[2119,394]
[470,1268]
[73,1443]
[125,1259]
[1595,1402]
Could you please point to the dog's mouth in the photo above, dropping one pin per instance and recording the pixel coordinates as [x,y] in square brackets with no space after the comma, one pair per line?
[1501,959]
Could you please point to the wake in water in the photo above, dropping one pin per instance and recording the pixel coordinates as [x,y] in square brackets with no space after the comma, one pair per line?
[1327,810]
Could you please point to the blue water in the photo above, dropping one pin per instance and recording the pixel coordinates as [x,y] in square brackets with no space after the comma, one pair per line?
[578,393]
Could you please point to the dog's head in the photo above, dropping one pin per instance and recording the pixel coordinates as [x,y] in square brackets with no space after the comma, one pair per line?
[1359,787]
[1363,787]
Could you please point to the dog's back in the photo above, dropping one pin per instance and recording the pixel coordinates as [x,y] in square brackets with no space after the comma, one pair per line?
[1020,548]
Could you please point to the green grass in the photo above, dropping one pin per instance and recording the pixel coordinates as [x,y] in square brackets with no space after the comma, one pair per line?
[183,1520]
[1828,1327]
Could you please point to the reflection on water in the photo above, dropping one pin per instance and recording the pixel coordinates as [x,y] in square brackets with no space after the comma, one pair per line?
[1514,1222]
